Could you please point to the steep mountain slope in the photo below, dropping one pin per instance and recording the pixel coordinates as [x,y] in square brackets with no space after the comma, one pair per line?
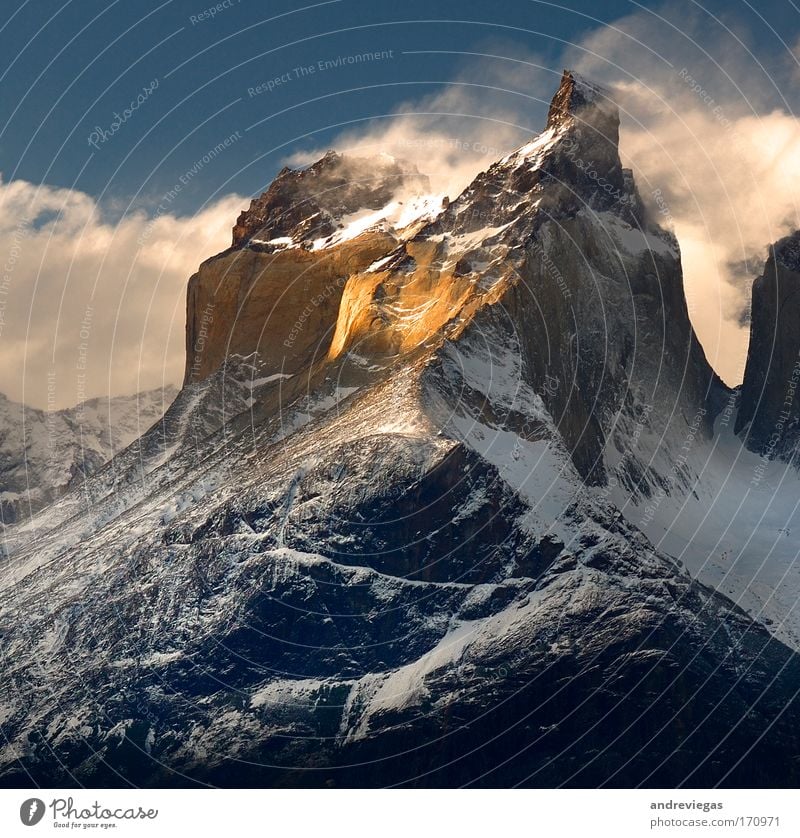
[42,453]
[391,556]
[361,592]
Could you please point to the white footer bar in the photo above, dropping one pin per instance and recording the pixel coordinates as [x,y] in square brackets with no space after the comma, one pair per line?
[403,813]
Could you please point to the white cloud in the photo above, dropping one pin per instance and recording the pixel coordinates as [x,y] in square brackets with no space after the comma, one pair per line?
[77,290]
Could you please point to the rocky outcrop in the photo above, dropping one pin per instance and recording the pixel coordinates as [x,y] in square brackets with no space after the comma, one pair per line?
[282,305]
[312,203]
[277,290]
[769,411]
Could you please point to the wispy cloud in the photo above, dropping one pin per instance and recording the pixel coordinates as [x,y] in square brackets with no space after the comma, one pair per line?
[90,307]
[492,106]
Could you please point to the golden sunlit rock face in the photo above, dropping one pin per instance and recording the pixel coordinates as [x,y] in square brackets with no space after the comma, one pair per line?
[283,305]
[295,307]
[389,312]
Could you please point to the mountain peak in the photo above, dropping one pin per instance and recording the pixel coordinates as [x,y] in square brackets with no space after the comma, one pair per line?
[579,98]
[786,252]
[572,165]
[304,204]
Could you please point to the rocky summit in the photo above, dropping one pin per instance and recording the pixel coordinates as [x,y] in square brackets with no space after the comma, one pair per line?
[423,512]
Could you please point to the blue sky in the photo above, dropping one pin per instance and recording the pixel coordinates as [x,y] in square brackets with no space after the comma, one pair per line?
[70,66]
[117,179]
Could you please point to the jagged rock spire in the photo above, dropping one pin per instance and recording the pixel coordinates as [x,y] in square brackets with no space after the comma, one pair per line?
[769,411]
[585,103]
[573,94]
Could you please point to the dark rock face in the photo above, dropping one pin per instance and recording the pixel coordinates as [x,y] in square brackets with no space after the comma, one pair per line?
[588,163]
[600,303]
[769,412]
[308,203]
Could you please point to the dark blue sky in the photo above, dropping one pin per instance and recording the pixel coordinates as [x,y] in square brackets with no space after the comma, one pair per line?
[68,67]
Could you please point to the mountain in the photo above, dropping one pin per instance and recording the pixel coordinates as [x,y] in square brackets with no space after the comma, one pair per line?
[394,529]
[43,453]
[770,405]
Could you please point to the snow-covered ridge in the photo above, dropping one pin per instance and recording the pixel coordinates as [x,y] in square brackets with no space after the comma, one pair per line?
[330,201]
[395,217]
